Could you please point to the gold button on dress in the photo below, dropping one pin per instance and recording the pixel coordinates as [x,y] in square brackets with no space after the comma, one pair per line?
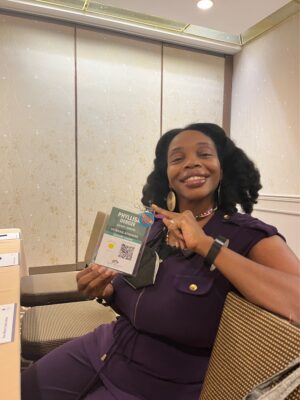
[193,287]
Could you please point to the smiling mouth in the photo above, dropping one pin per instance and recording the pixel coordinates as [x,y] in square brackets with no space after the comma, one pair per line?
[194,179]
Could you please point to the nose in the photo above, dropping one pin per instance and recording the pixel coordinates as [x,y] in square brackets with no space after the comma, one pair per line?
[192,162]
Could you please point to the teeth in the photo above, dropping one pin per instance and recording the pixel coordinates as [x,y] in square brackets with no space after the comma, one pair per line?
[195,178]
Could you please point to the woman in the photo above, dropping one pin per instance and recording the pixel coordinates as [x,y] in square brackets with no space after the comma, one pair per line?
[160,346]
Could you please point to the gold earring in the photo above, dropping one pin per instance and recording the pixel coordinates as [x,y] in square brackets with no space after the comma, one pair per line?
[171,200]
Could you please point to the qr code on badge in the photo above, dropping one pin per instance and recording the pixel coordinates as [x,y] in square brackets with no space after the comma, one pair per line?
[126,252]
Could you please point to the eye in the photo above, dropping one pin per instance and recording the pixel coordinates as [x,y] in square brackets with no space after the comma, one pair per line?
[205,154]
[176,159]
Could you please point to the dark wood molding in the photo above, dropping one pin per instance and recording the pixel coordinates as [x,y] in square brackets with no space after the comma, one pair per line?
[228,73]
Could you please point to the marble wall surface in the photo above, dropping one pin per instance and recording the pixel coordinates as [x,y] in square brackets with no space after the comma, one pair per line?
[37,137]
[193,86]
[266,103]
[81,112]
[118,121]
[266,124]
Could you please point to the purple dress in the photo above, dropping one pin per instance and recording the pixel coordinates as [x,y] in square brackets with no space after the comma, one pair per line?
[160,346]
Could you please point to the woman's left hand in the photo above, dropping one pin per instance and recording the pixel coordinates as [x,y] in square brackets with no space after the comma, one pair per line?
[183,228]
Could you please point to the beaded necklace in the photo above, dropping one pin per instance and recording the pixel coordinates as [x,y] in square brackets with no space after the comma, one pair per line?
[205,213]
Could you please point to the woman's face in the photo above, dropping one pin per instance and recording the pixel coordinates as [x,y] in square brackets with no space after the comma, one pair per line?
[194,170]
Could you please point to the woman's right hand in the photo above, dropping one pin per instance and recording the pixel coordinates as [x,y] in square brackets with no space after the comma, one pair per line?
[94,281]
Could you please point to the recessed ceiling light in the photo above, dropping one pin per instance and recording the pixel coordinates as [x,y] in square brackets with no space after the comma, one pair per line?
[205,4]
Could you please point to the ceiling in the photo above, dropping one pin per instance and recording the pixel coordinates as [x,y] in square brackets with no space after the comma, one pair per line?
[224,28]
[230,16]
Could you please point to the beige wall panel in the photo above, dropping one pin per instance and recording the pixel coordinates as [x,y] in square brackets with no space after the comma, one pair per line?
[37,137]
[284,213]
[265,106]
[118,121]
[193,86]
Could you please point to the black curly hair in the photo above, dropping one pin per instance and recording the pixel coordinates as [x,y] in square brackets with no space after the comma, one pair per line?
[240,182]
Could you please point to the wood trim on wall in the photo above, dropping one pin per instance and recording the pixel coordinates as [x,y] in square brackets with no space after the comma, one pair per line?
[290,198]
[228,73]
[279,204]
[161,90]
[76,144]
[273,210]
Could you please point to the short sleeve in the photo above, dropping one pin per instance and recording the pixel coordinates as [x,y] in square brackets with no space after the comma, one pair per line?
[246,231]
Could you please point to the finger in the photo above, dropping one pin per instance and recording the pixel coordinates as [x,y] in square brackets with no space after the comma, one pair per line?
[178,234]
[108,290]
[170,224]
[85,280]
[163,212]
[86,271]
[182,244]
[92,272]
[173,228]
[82,280]
[96,287]
[98,268]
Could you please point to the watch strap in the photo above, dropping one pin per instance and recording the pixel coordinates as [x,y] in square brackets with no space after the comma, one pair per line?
[218,243]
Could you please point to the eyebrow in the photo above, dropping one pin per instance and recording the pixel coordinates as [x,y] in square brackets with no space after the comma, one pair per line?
[181,148]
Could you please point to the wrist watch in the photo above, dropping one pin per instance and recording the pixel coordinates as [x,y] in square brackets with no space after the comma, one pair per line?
[219,242]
